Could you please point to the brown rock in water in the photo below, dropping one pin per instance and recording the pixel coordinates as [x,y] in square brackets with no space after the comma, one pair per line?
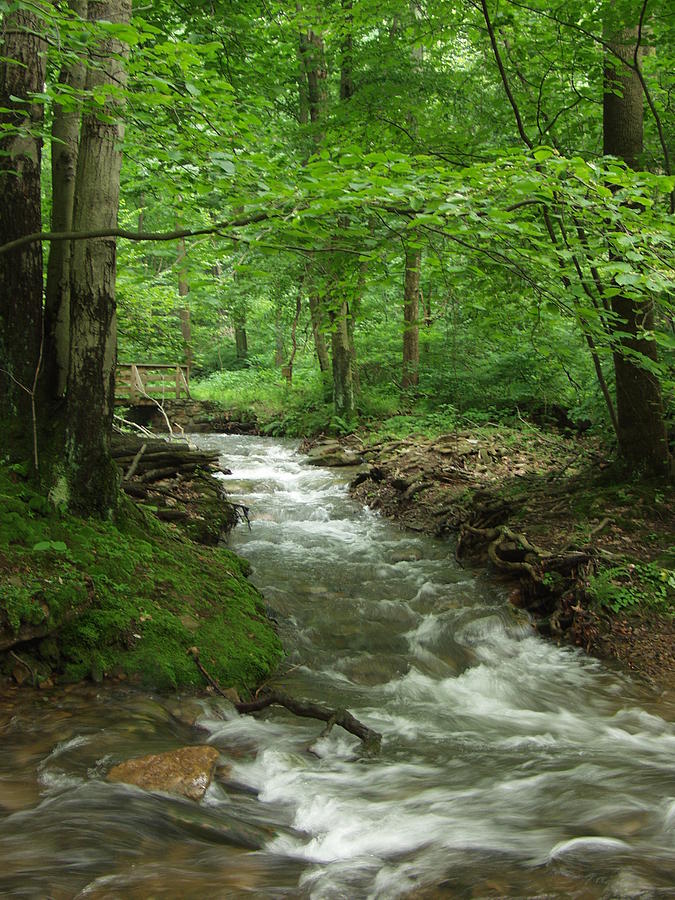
[331,454]
[336,460]
[187,771]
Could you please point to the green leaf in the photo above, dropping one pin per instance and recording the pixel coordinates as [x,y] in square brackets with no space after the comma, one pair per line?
[56,546]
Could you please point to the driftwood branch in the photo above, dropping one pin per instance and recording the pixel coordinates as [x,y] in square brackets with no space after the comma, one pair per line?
[26,665]
[118,421]
[135,461]
[342,717]
[371,739]
[242,513]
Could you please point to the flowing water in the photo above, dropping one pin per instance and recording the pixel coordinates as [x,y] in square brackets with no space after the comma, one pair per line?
[509,767]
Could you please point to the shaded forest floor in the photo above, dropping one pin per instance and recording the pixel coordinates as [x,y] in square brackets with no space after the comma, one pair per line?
[589,554]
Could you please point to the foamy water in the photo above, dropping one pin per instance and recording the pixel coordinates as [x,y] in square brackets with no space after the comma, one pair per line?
[509,767]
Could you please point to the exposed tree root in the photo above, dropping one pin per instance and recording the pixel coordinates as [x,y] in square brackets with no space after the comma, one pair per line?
[549,582]
[507,550]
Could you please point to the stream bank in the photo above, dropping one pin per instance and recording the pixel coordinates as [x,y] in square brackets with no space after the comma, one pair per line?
[589,557]
[128,599]
[509,767]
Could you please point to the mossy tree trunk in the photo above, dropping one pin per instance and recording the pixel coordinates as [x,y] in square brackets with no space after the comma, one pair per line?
[89,474]
[65,146]
[641,429]
[22,73]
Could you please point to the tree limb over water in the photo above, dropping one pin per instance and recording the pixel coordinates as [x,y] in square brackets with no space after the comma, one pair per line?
[370,739]
[342,717]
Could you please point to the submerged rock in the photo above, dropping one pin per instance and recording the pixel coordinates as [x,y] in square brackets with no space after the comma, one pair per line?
[187,771]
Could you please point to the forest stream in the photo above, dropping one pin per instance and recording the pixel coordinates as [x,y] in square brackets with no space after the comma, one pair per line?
[509,767]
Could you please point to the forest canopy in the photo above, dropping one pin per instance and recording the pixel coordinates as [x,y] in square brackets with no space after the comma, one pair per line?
[465,205]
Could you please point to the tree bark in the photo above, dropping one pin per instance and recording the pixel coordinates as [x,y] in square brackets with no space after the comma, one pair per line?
[184,309]
[22,73]
[240,339]
[426,303]
[411,303]
[316,315]
[347,65]
[278,337]
[641,432]
[91,481]
[343,382]
[65,145]
[313,58]
[312,101]
[346,93]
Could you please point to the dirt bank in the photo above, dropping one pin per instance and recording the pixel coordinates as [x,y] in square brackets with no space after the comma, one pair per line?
[589,557]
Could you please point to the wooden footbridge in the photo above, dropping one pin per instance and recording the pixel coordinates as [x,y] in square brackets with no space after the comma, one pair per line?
[141,384]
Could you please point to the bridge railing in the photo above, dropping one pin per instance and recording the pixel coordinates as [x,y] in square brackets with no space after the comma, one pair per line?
[139,383]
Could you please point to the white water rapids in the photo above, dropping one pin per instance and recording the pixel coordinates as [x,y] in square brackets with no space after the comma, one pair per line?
[509,767]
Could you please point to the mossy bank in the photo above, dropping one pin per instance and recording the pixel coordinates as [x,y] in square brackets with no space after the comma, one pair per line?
[81,598]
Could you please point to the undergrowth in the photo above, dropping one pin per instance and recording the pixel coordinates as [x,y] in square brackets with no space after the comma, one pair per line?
[625,587]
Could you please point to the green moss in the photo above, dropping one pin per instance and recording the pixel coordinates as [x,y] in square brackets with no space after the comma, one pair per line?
[130,596]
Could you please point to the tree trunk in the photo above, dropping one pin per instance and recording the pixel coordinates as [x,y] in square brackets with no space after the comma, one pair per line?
[313,57]
[346,93]
[65,144]
[22,73]
[411,303]
[240,339]
[278,338]
[90,475]
[426,303]
[184,309]
[347,65]
[343,384]
[315,311]
[641,427]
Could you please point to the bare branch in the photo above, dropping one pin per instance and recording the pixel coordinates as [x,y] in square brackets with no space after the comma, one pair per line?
[217,228]
[505,80]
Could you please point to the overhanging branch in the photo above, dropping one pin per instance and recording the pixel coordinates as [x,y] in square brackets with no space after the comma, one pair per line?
[217,228]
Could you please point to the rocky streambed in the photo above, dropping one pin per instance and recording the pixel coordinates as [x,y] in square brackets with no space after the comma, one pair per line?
[508,766]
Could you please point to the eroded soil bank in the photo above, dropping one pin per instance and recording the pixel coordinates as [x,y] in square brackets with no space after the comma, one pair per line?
[591,559]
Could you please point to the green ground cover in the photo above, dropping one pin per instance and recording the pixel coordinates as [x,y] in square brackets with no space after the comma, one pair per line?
[126,598]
